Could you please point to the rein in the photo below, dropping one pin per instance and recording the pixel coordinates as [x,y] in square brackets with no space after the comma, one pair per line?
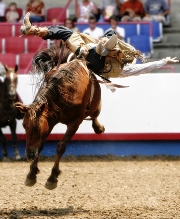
[106,81]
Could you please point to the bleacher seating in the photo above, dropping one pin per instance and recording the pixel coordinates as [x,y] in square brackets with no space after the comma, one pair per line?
[9,59]
[142,43]
[18,50]
[56,14]
[16,30]
[24,61]
[157,33]
[15,45]
[35,43]
[2,42]
[6,30]
[145,28]
[131,29]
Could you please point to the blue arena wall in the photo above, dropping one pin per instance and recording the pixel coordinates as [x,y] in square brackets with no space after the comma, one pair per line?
[101,148]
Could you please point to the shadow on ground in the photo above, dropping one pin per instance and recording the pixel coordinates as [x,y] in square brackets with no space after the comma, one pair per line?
[24,213]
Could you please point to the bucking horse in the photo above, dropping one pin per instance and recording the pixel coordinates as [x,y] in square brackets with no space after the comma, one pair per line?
[68,93]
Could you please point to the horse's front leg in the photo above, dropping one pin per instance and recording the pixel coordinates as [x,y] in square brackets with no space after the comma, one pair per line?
[61,147]
[31,177]
[4,144]
[14,140]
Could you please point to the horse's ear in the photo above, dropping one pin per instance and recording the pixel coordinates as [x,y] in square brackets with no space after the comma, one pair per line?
[16,68]
[21,107]
[41,109]
[6,68]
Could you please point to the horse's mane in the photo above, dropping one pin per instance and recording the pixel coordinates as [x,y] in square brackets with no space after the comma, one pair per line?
[46,59]
[53,87]
[54,81]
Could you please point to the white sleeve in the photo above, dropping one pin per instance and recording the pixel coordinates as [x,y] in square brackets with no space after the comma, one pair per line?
[137,69]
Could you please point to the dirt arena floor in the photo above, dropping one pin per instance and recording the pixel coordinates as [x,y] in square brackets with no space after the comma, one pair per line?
[126,188]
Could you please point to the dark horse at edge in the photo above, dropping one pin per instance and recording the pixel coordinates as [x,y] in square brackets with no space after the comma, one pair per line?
[8,112]
[68,94]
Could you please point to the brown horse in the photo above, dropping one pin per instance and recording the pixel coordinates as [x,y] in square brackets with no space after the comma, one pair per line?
[8,112]
[68,94]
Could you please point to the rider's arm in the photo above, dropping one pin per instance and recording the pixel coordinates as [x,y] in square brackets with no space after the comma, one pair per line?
[137,69]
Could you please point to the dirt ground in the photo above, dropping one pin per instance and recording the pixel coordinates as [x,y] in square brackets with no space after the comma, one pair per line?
[99,189]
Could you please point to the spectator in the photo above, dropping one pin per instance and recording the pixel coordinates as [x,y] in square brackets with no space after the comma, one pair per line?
[85,9]
[93,30]
[108,8]
[155,10]
[120,32]
[37,10]
[69,23]
[132,10]
[12,15]
[2,11]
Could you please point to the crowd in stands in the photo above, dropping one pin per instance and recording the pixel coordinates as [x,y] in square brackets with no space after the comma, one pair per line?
[111,11]
[125,10]
[14,14]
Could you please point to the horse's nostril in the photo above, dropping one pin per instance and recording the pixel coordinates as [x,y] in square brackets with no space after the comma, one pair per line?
[12,96]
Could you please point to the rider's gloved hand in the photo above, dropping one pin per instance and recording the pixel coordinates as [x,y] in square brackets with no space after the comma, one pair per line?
[83,51]
[170,60]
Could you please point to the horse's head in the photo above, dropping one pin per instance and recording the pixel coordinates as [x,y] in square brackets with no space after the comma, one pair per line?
[10,81]
[37,127]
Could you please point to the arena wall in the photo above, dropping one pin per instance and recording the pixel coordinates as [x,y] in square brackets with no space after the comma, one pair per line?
[147,110]
[150,104]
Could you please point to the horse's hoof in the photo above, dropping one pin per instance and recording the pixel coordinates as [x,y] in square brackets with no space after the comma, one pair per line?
[99,130]
[29,182]
[50,185]
[6,159]
[102,129]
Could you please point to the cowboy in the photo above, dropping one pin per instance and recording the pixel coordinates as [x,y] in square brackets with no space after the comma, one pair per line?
[110,56]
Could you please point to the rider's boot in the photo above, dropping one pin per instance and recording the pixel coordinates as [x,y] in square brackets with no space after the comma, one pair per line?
[106,44]
[28,29]
[72,39]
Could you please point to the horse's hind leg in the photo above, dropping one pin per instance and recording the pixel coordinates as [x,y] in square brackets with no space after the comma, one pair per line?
[98,128]
[4,144]
[61,147]
[14,140]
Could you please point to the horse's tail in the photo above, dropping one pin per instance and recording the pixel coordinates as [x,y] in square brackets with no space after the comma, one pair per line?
[45,60]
